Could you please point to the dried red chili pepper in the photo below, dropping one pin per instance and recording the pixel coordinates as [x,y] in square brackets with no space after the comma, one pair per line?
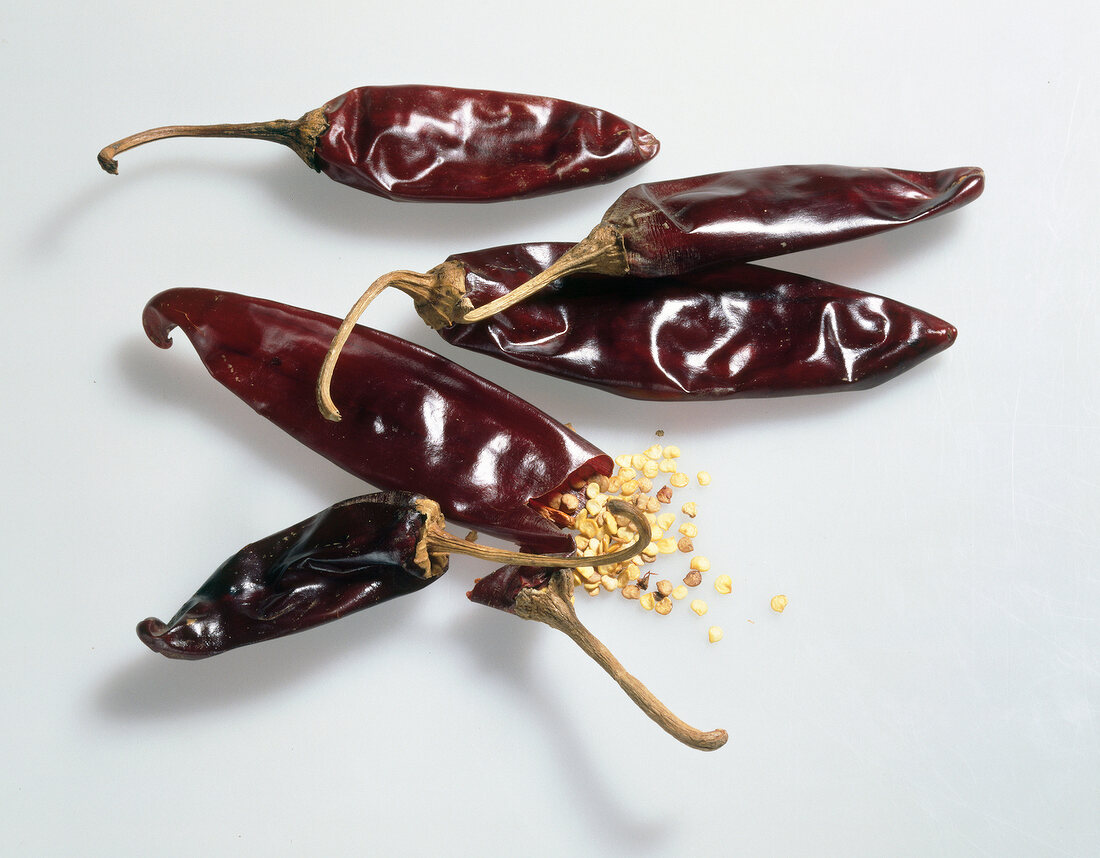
[442,144]
[730,330]
[354,555]
[415,421]
[667,229]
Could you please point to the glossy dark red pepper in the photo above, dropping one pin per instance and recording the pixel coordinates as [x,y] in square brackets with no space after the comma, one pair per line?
[414,421]
[441,144]
[730,330]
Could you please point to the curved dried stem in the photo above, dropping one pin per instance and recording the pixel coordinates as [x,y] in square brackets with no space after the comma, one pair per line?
[601,252]
[442,541]
[412,282]
[554,606]
[299,134]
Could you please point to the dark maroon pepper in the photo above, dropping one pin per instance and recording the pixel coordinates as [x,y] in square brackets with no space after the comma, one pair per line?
[730,330]
[431,143]
[415,421]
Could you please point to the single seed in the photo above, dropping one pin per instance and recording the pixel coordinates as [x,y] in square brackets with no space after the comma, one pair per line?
[664,495]
[592,489]
[609,583]
[656,532]
[679,592]
[664,587]
[629,488]
[779,603]
[663,606]
[623,461]
[610,525]
[623,577]
[647,601]
[654,452]
[587,527]
[651,548]
[653,505]
[637,461]
[700,564]
[667,466]
[589,574]
[703,477]
[631,591]
[689,530]
[613,485]
[569,503]
[651,518]
[689,509]
[679,479]
[554,501]
[723,584]
[592,589]
[594,506]
[665,520]
[581,542]
[660,433]
[651,469]
[693,579]
[714,634]
[627,474]
[666,545]
[578,483]
[672,452]
[645,484]
[699,606]
[685,545]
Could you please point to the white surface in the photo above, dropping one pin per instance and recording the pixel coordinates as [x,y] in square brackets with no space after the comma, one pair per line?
[933,687]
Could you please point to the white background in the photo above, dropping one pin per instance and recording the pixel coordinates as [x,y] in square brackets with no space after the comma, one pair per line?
[932,688]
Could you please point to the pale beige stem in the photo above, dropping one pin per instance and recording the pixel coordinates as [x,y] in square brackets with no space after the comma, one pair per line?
[554,606]
[442,541]
[600,253]
[301,135]
[408,281]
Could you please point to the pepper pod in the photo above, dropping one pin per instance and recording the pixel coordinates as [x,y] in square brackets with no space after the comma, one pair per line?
[367,550]
[441,144]
[670,254]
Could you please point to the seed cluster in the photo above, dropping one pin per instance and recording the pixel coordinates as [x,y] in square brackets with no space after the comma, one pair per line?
[599,531]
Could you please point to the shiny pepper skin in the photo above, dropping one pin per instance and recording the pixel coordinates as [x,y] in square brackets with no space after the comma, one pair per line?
[414,421]
[722,332]
[352,556]
[463,145]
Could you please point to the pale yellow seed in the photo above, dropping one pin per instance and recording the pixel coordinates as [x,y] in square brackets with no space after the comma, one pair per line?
[651,469]
[610,525]
[703,477]
[581,542]
[654,452]
[613,485]
[723,584]
[666,545]
[700,564]
[594,506]
[627,474]
[679,592]
[592,489]
[629,488]
[689,509]
[637,461]
[663,606]
[779,603]
[651,548]
[679,479]
[651,517]
[667,466]
[665,520]
[623,461]
[699,606]
[647,601]
[653,505]
[592,589]
[656,532]
[645,484]
[689,530]
[610,584]
[672,452]
[577,580]
[589,574]
[714,634]
[587,527]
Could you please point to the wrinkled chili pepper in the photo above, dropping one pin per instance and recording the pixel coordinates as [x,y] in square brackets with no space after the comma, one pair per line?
[668,229]
[441,144]
[354,555]
[415,421]
[729,330]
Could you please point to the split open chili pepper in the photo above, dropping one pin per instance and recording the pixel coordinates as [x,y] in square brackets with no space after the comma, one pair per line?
[415,421]
[441,144]
[367,550]
[720,332]
[671,229]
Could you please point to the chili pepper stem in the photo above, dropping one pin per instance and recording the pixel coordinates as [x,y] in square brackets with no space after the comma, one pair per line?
[554,606]
[442,541]
[438,297]
[299,134]
[601,252]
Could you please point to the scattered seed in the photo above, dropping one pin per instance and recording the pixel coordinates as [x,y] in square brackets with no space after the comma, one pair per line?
[664,495]
[627,474]
[637,461]
[645,484]
[632,591]
[679,592]
[689,509]
[608,583]
[723,584]
[664,587]
[666,545]
[700,564]
[663,606]
[679,479]
[647,601]
[672,452]
[581,542]
[623,461]
[654,504]
[689,530]
[569,503]
[592,489]
[594,506]
[629,488]
[703,477]
[666,519]
[699,606]
[693,579]
[779,603]
[614,485]
[651,469]
[654,452]
[714,634]
[660,433]
[685,545]
[667,466]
